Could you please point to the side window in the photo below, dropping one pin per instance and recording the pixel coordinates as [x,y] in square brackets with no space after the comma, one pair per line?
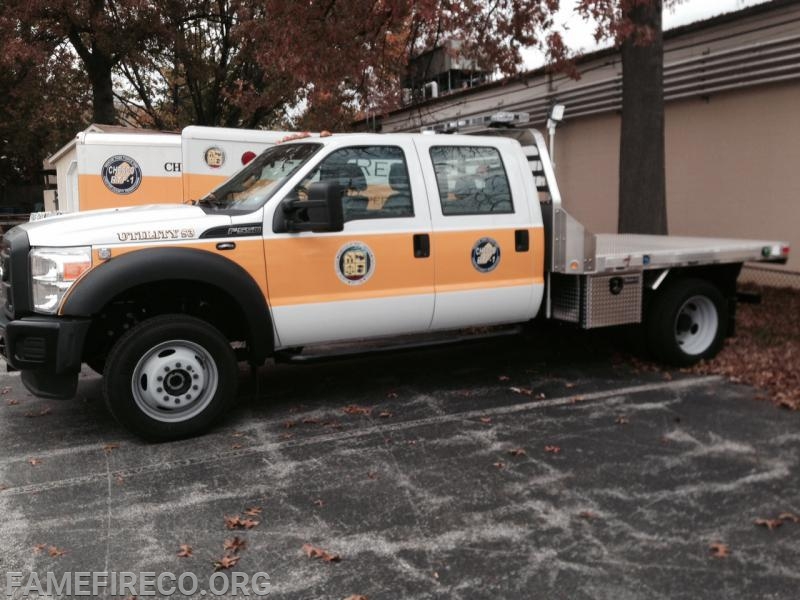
[471,180]
[375,180]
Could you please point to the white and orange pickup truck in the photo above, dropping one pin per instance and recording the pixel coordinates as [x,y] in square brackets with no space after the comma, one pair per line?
[332,239]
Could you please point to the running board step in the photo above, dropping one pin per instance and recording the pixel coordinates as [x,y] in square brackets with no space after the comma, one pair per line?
[370,348]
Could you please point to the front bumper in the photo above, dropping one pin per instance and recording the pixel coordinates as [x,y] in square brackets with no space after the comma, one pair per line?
[47,350]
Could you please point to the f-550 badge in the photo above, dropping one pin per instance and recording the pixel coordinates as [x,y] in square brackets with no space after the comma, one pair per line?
[121,174]
[354,263]
[485,255]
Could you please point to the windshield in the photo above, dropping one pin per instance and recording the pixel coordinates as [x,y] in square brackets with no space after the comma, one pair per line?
[251,187]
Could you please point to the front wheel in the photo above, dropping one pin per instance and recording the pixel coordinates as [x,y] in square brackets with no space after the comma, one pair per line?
[170,377]
[687,322]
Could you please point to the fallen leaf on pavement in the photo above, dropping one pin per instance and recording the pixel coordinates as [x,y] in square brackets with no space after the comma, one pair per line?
[391,395]
[521,391]
[499,465]
[315,552]
[55,552]
[719,550]
[109,448]
[503,378]
[226,562]
[12,402]
[39,548]
[249,523]
[354,409]
[253,511]
[42,413]
[185,551]
[486,420]
[237,522]
[787,516]
[552,449]
[517,452]
[769,523]
[34,461]
[586,514]
[622,420]
[235,545]
[319,502]
[385,414]
[356,597]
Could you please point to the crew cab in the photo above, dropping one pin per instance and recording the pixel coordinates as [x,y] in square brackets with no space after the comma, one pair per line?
[336,238]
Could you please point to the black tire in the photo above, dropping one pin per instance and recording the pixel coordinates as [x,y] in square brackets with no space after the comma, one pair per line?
[686,322]
[170,377]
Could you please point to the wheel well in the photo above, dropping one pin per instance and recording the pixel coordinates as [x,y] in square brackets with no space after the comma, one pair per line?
[722,276]
[198,299]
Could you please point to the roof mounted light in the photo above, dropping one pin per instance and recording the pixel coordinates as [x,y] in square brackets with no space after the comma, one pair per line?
[557,113]
[554,118]
[508,119]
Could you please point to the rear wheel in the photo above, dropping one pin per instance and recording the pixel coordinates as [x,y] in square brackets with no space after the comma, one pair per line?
[170,377]
[686,322]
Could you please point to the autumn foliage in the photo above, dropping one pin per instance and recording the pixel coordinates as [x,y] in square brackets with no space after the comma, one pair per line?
[243,63]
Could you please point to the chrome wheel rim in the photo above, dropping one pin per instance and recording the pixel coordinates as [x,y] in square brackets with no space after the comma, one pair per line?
[174,381]
[696,325]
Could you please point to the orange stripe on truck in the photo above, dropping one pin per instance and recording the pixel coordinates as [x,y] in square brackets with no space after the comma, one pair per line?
[454,270]
[302,269]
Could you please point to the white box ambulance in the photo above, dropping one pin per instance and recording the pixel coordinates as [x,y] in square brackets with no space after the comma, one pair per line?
[111,167]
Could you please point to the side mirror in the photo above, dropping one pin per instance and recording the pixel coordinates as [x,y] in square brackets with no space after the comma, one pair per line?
[321,212]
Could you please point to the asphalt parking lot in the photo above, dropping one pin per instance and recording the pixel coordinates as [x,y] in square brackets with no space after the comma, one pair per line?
[491,470]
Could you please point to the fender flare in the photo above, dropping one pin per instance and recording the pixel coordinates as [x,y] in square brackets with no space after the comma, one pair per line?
[102,284]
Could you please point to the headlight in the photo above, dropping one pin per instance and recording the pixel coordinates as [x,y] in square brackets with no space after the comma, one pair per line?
[53,271]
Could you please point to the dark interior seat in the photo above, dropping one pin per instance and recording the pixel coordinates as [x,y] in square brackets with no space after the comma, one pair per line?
[399,202]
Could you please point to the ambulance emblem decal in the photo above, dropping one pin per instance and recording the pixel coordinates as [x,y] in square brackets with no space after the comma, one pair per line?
[354,263]
[121,174]
[485,255]
[214,157]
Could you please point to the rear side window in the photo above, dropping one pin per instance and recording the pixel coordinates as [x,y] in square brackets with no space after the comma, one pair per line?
[471,180]
[374,179]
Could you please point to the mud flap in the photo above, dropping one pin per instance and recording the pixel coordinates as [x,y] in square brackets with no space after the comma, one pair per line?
[49,385]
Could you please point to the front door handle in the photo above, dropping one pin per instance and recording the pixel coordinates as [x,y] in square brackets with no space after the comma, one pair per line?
[422,245]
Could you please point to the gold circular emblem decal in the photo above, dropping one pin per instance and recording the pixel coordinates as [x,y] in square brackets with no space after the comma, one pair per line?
[354,263]
[214,157]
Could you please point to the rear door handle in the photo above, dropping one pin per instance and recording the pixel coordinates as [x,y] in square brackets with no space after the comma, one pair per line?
[521,240]
[422,245]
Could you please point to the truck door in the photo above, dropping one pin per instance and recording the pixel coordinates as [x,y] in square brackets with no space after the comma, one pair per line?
[373,279]
[488,239]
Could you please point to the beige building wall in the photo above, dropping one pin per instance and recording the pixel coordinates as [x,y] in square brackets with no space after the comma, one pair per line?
[733,166]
